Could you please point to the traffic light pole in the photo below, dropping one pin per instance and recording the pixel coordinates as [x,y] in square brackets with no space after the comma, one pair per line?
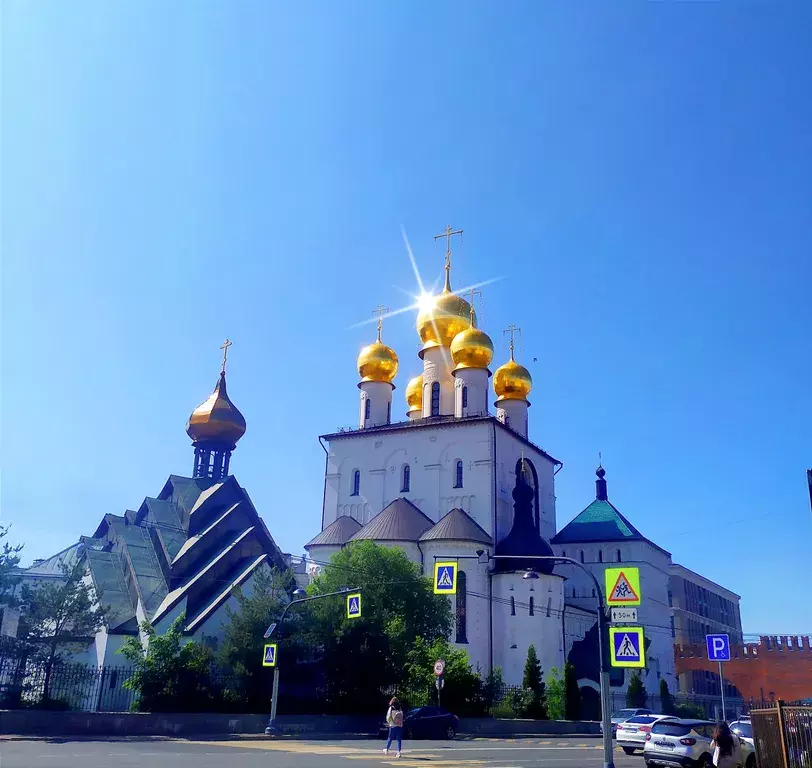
[275,693]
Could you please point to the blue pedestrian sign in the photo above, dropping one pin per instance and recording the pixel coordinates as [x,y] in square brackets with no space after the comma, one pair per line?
[445,578]
[354,606]
[718,647]
[627,646]
[269,655]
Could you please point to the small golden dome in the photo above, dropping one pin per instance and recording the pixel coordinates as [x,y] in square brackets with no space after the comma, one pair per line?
[442,317]
[414,394]
[512,381]
[472,348]
[217,419]
[377,362]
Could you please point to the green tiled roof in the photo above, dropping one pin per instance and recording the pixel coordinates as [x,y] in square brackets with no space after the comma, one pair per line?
[600,521]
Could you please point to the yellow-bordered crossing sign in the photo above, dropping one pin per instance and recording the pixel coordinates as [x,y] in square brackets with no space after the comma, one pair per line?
[269,655]
[445,578]
[354,605]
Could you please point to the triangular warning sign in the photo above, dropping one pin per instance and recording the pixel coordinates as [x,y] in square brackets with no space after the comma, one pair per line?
[623,592]
[626,649]
[445,579]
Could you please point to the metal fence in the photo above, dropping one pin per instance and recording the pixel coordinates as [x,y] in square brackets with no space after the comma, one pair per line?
[783,736]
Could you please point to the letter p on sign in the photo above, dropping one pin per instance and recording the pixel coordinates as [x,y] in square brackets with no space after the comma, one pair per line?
[718,647]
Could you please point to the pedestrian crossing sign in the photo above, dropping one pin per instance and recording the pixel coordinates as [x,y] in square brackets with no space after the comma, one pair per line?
[445,578]
[627,646]
[354,606]
[622,586]
[269,655]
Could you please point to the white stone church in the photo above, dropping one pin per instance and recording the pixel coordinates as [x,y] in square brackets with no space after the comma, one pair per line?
[457,477]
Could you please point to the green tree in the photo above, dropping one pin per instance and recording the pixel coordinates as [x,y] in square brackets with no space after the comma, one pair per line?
[555,695]
[398,607]
[533,681]
[59,618]
[573,693]
[170,676]
[666,699]
[461,684]
[636,694]
[9,560]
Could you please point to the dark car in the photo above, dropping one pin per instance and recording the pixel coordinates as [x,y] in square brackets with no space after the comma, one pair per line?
[428,723]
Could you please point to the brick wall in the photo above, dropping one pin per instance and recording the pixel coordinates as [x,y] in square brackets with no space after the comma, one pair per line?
[776,667]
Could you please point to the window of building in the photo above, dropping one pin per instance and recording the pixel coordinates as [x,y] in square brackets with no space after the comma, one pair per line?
[462,608]
[582,555]
[593,592]
[512,605]
[549,606]
[600,555]
[563,553]
[407,478]
[458,476]
[389,412]
[356,482]
[531,605]
[465,397]
[367,408]
[435,398]
[619,557]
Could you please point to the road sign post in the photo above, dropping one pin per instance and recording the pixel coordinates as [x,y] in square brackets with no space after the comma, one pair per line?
[719,650]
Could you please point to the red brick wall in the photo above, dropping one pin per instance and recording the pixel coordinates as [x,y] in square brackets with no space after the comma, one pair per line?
[762,670]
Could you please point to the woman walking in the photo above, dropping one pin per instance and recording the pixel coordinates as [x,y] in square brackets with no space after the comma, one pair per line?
[726,747]
[394,719]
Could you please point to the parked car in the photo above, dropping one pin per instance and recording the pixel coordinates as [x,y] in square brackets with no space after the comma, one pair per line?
[624,714]
[679,742]
[428,723]
[743,728]
[631,733]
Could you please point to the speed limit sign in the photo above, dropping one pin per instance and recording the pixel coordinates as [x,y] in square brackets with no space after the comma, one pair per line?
[439,667]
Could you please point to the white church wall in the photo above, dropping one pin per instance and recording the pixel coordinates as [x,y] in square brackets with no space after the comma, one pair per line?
[431,453]
[514,629]
[321,554]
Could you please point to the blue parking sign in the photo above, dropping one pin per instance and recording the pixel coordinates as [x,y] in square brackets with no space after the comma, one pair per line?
[718,647]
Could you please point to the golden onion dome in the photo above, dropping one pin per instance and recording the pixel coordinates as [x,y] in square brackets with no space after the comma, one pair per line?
[217,419]
[414,394]
[512,381]
[377,362]
[472,348]
[442,317]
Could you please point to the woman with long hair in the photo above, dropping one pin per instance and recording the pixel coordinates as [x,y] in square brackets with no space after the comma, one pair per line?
[394,719]
[726,747]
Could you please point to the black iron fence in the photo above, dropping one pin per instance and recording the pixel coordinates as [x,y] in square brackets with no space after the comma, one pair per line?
[783,736]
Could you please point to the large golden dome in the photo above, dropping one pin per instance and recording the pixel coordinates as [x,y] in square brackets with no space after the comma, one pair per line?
[442,317]
[414,394]
[472,348]
[217,419]
[377,362]
[512,381]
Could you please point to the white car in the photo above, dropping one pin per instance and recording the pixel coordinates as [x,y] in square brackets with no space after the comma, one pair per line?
[677,743]
[744,730]
[631,733]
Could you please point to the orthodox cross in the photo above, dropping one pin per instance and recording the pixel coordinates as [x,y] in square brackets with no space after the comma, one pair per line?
[226,345]
[512,330]
[472,293]
[448,234]
[380,311]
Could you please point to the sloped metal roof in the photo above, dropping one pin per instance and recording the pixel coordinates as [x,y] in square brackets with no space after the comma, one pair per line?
[338,533]
[399,521]
[459,526]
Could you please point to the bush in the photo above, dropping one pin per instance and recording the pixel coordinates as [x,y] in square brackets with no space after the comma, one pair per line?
[522,702]
[636,695]
[573,693]
[666,699]
[689,710]
[556,695]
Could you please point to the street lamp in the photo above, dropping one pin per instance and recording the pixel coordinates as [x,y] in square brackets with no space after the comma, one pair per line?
[299,596]
[530,574]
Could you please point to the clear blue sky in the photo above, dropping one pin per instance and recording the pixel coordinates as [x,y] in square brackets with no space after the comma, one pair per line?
[639,173]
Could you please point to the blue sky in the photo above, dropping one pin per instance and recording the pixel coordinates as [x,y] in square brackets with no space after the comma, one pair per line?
[639,174]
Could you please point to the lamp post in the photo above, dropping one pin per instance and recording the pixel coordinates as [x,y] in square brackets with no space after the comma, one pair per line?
[298,598]
[608,760]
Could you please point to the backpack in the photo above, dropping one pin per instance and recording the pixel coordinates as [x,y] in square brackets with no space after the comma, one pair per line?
[397,718]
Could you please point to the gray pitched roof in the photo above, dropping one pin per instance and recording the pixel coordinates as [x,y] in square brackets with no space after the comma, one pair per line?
[399,521]
[338,533]
[459,526]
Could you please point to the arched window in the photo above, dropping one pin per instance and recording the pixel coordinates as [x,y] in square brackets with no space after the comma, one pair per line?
[549,606]
[619,557]
[600,555]
[593,591]
[407,478]
[356,481]
[512,605]
[563,553]
[458,475]
[582,555]
[531,605]
[462,608]
[367,408]
[389,412]
[507,421]
[464,396]
[435,398]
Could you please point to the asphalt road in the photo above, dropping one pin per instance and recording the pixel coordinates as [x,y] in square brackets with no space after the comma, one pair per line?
[475,753]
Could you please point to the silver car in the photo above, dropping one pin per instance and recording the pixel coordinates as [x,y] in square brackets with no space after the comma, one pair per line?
[631,733]
[682,743]
[624,714]
[743,728]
